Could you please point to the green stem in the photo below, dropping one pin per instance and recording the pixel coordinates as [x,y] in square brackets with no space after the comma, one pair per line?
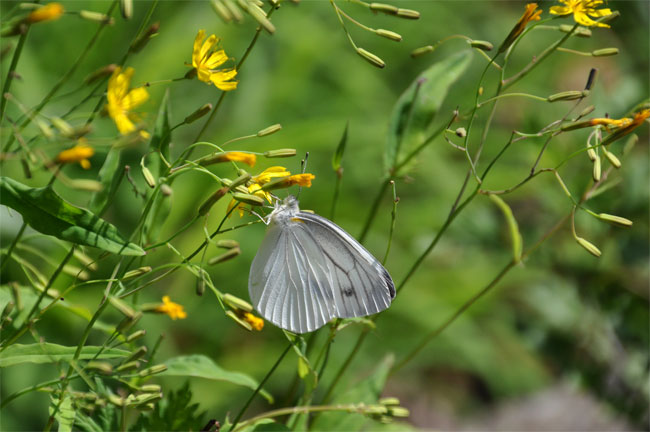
[12,69]
[259,387]
[393,215]
[300,409]
[30,389]
[373,210]
[12,246]
[345,365]
[530,96]
[538,60]
[335,199]
[28,320]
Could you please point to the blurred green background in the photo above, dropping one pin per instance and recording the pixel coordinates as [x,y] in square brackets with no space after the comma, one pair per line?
[560,344]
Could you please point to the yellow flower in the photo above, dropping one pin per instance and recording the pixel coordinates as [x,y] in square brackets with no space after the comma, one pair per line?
[235,156]
[300,180]
[206,61]
[582,10]
[530,14]
[79,153]
[270,173]
[48,12]
[607,122]
[173,310]
[255,322]
[121,100]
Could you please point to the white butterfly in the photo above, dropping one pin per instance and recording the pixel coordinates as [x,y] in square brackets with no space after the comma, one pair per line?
[308,271]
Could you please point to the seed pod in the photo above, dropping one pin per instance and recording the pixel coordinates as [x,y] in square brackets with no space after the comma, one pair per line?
[605,52]
[136,335]
[148,177]
[616,163]
[597,170]
[198,114]
[207,205]
[153,370]
[126,367]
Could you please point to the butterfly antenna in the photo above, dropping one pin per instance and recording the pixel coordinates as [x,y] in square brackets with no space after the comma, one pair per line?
[303,168]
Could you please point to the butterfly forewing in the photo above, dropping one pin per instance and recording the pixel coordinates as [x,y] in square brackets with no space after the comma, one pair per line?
[308,271]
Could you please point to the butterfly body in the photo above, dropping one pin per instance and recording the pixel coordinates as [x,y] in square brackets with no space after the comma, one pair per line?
[308,270]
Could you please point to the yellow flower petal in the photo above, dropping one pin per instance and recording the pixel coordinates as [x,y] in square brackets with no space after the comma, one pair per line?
[121,101]
[171,309]
[48,12]
[205,60]
[79,153]
[560,10]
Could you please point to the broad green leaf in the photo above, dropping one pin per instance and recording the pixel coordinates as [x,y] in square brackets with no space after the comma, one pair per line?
[367,391]
[338,155]
[110,180]
[49,353]
[417,107]
[65,414]
[200,366]
[47,212]
[513,227]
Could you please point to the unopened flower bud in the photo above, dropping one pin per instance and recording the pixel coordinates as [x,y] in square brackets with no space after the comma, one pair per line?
[147,398]
[198,113]
[242,179]
[482,45]
[408,14]
[389,401]
[99,366]
[144,38]
[399,411]
[615,220]
[590,247]
[260,16]
[148,177]
[96,16]
[136,355]
[207,205]
[580,31]
[166,190]
[597,170]
[421,51]
[461,132]
[221,10]
[137,272]
[136,335]
[227,244]
[100,73]
[129,366]
[124,308]
[280,153]
[150,388]
[389,35]
[126,7]
[232,315]
[371,58]
[226,256]
[116,400]
[62,125]
[587,110]
[248,199]
[604,52]
[153,370]
[269,130]
[591,153]
[616,163]
[567,95]
[384,8]
[237,303]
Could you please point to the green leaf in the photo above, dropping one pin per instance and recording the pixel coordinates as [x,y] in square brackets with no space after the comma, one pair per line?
[338,155]
[513,227]
[200,366]
[49,353]
[270,426]
[110,180]
[417,107]
[65,414]
[367,391]
[48,213]
[162,132]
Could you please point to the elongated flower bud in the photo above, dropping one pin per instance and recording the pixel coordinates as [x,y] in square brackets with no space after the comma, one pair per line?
[615,220]
[198,114]
[269,130]
[389,35]
[280,153]
[605,52]
[589,247]
[371,58]
[567,95]
[384,8]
